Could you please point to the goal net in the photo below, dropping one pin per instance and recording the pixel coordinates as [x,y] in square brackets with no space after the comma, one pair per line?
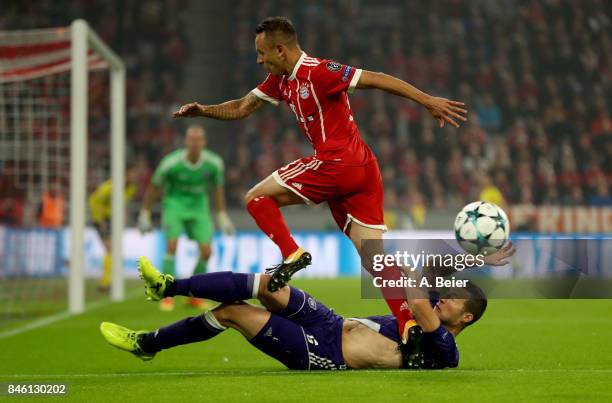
[61,133]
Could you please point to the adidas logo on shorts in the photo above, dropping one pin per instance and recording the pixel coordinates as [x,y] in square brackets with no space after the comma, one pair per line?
[297,185]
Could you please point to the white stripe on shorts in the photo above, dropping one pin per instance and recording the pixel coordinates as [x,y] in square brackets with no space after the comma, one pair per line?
[314,164]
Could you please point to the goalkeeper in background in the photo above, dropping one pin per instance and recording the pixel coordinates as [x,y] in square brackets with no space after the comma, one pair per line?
[100,203]
[184,177]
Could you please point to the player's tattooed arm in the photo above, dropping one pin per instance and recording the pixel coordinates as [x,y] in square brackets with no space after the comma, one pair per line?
[442,109]
[230,110]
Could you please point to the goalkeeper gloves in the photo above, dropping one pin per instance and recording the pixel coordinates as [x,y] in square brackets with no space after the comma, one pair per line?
[225,223]
[144,221]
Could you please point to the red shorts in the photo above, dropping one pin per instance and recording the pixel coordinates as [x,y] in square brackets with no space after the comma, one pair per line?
[353,193]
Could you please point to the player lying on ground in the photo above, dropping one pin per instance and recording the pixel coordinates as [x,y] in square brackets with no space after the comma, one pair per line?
[299,331]
[343,170]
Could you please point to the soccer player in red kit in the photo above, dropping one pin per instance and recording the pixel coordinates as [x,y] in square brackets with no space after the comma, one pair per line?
[343,170]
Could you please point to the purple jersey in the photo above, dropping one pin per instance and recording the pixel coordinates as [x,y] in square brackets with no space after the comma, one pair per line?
[304,335]
[308,335]
[438,345]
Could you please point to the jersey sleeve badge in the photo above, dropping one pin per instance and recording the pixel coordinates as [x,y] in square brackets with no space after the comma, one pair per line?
[333,66]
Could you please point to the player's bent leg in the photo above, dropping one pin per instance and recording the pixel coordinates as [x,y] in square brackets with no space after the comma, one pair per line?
[272,301]
[263,202]
[302,332]
[269,187]
[221,286]
[367,241]
[247,319]
[273,335]
[289,335]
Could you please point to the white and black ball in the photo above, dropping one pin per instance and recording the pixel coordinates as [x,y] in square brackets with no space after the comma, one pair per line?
[482,228]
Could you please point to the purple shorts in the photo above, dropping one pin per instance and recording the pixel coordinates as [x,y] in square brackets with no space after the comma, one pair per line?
[304,335]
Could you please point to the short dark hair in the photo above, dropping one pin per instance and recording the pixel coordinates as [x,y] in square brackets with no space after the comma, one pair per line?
[476,303]
[277,25]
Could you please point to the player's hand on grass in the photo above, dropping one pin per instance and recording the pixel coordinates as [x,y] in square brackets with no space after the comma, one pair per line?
[188,111]
[445,110]
[225,223]
[500,258]
[144,221]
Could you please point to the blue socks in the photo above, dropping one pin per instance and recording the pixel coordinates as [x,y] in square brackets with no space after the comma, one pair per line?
[220,287]
[190,330]
[224,286]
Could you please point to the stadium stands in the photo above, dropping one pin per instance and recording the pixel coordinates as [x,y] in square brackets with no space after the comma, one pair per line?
[535,75]
[536,78]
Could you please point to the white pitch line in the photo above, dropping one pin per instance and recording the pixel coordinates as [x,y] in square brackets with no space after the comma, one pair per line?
[281,372]
[59,317]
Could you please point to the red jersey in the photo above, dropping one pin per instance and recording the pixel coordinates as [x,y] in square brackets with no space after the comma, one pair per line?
[316,92]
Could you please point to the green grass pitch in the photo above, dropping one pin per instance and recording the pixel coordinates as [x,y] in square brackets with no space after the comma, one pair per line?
[522,350]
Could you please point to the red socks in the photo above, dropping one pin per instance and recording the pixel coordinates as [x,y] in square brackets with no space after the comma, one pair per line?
[396,300]
[268,217]
[394,297]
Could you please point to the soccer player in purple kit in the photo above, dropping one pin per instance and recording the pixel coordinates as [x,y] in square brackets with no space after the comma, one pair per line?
[302,333]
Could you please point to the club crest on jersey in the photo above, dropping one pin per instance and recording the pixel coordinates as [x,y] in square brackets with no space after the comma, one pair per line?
[333,66]
[304,93]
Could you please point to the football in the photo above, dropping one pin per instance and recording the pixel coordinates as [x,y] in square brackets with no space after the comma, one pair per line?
[481,228]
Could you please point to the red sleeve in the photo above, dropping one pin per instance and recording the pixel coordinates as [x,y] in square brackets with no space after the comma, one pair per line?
[269,90]
[335,78]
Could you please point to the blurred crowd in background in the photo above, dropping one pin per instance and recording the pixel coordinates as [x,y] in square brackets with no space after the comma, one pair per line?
[535,76]
[150,38]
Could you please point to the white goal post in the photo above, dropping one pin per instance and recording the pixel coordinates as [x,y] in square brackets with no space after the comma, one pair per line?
[33,64]
[83,37]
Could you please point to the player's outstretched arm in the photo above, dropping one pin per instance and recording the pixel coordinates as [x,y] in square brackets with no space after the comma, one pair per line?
[230,110]
[442,109]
